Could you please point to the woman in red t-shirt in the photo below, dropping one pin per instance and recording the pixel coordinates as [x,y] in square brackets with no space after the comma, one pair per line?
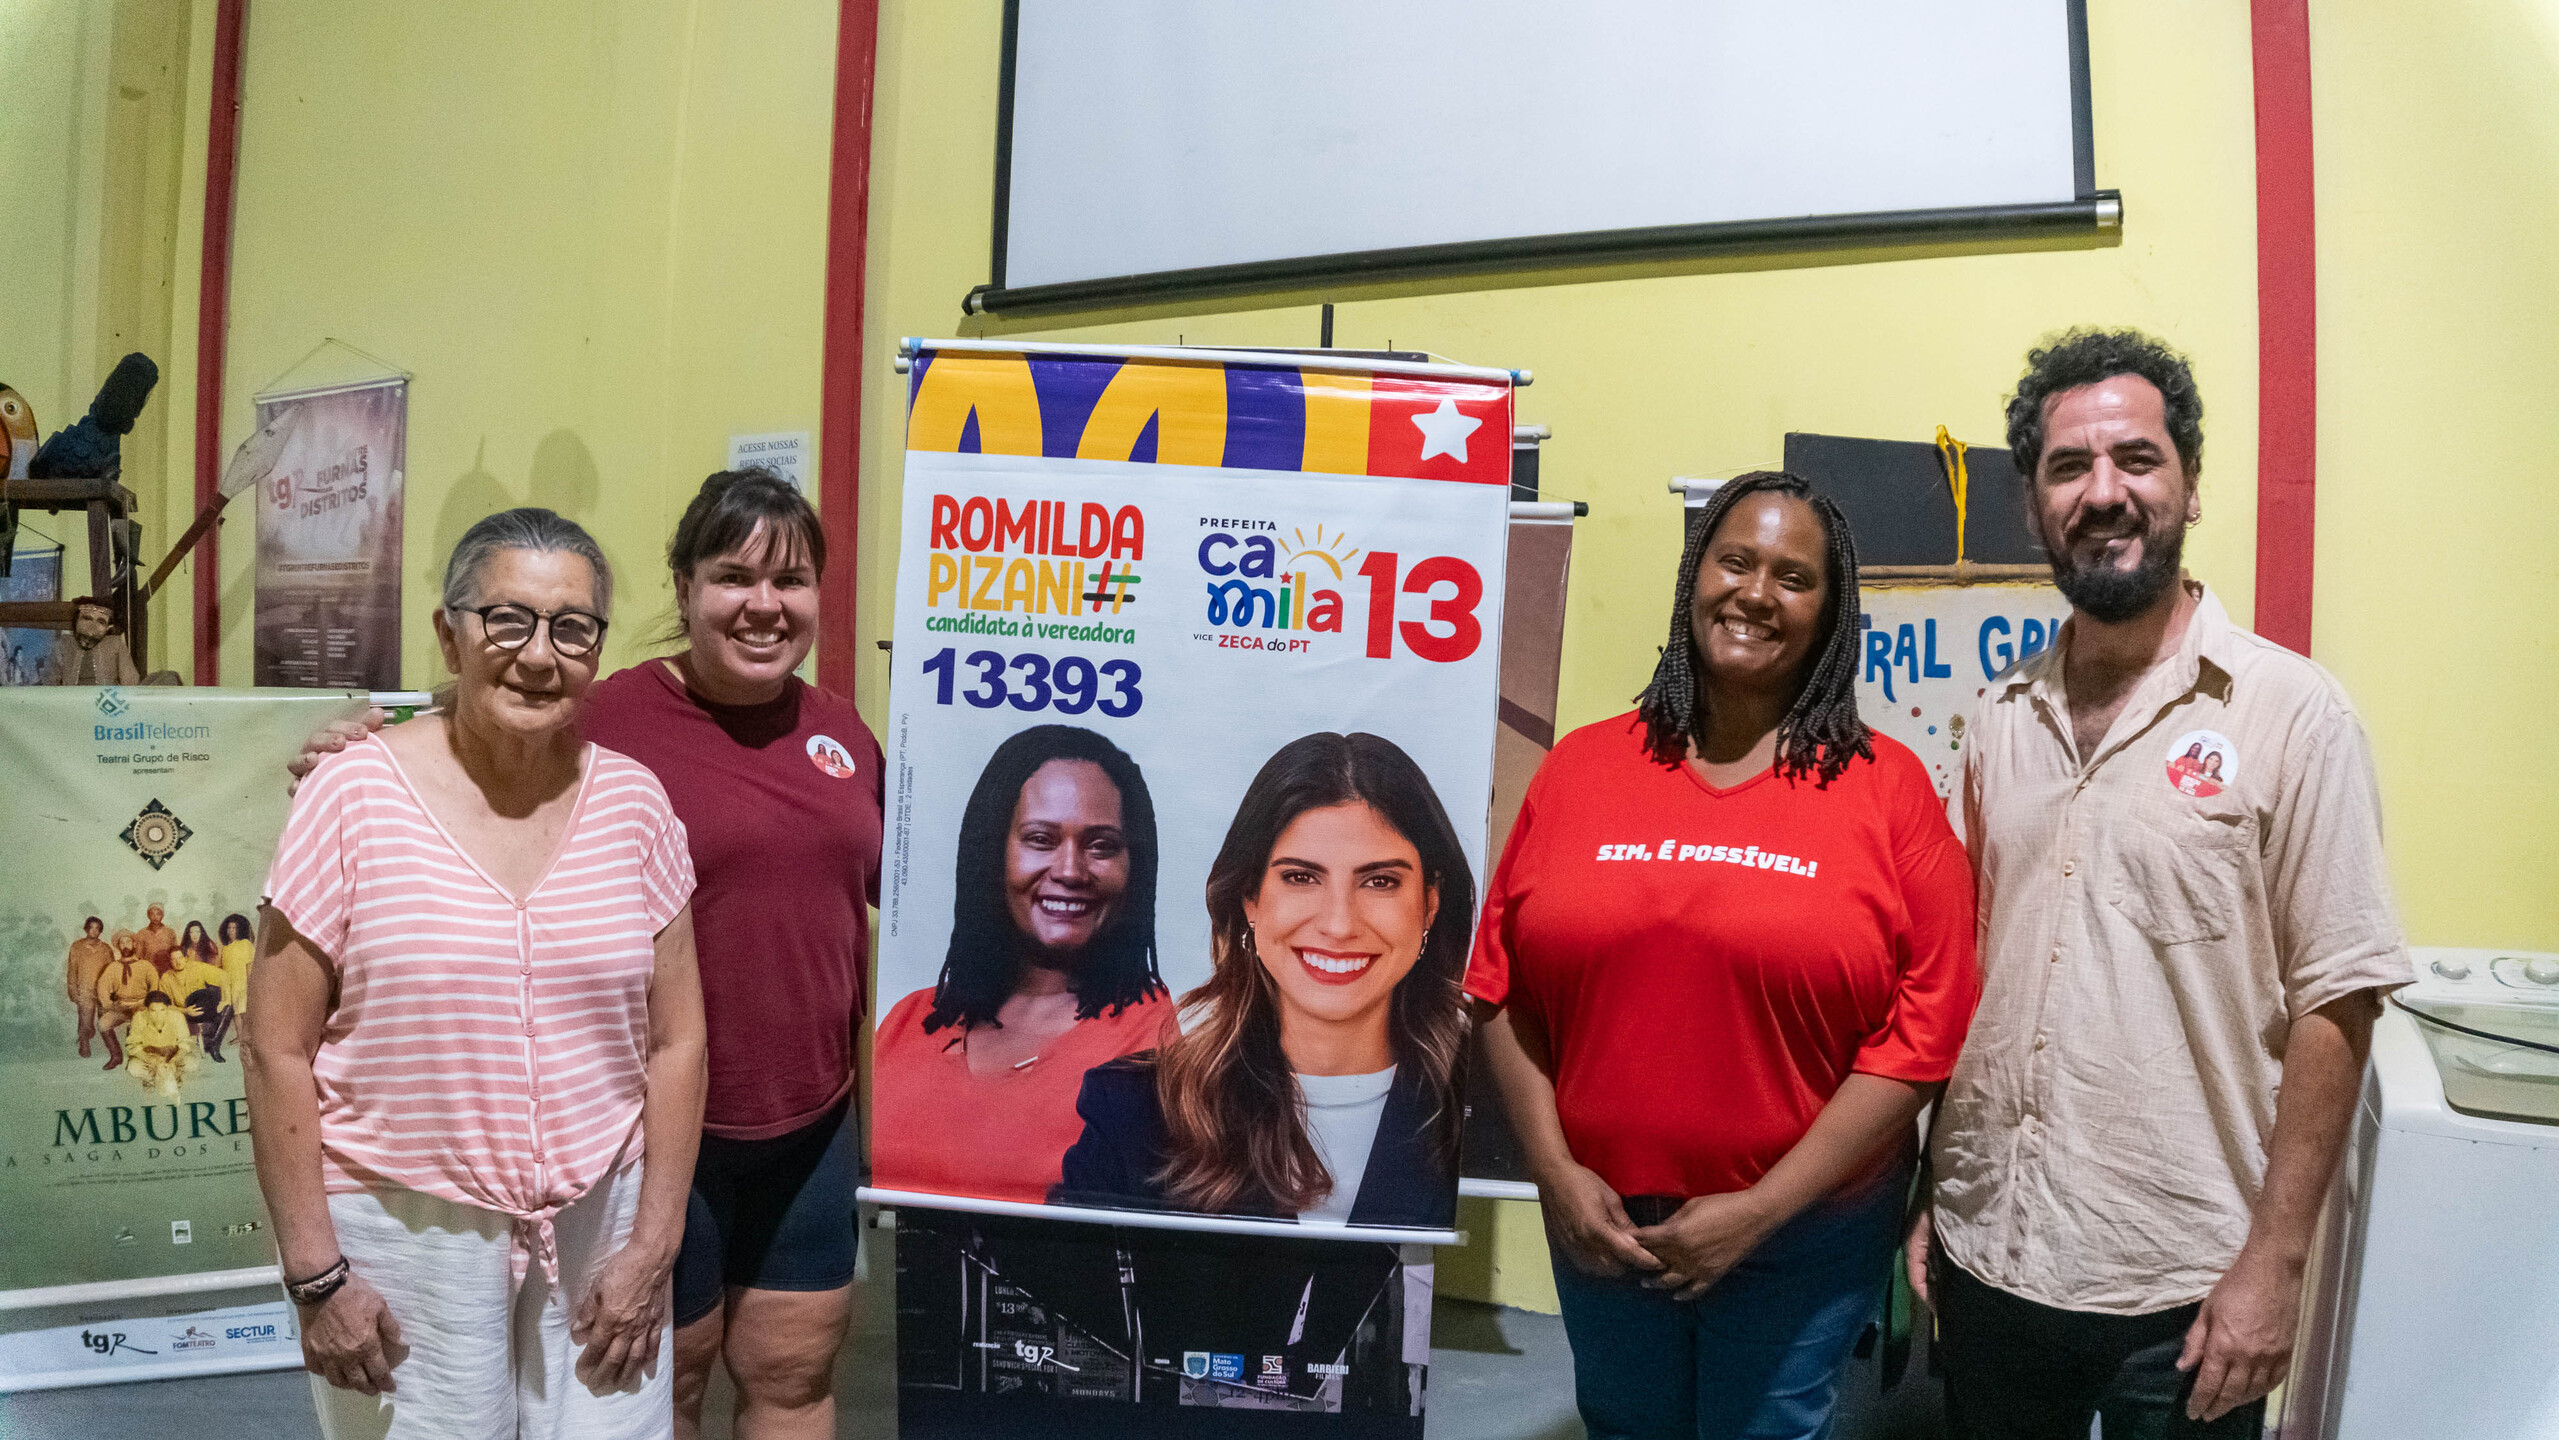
[1731,939]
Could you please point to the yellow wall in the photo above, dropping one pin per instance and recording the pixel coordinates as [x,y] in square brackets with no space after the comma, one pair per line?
[594,232]
[52,144]
[2438,578]
[93,157]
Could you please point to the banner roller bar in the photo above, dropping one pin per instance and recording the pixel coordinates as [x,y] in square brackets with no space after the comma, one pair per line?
[1160,1219]
[910,346]
[203,1282]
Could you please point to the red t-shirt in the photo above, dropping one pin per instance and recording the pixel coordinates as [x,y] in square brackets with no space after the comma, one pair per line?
[781,802]
[1709,965]
[941,1129]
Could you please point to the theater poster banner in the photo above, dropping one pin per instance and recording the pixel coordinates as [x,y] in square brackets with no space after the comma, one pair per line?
[1931,652]
[139,827]
[329,520]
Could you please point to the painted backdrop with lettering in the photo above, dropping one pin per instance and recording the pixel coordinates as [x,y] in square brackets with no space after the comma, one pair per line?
[1931,653]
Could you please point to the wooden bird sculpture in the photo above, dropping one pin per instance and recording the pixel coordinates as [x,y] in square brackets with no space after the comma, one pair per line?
[18,434]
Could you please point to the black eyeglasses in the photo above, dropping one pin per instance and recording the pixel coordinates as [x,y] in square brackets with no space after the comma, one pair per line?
[574,633]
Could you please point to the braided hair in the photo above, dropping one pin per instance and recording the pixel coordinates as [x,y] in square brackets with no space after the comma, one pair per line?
[987,954]
[1821,731]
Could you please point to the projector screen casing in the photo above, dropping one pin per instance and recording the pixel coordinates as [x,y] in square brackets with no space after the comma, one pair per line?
[1150,150]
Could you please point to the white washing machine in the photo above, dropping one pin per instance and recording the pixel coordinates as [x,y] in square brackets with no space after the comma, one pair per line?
[2431,1308]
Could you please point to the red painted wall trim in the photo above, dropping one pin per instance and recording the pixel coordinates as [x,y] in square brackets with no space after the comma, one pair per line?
[839,446]
[2287,325]
[213,318]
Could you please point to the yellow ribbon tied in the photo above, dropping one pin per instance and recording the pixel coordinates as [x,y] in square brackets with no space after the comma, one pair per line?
[1950,453]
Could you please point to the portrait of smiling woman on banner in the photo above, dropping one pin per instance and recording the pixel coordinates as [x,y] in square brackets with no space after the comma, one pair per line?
[1315,1075]
[1051,970]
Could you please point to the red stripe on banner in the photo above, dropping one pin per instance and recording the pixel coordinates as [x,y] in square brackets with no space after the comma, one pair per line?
[2287,325]
[1424,429]
[839,448]
[212,324]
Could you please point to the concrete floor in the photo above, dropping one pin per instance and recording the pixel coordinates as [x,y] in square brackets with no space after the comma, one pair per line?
[1496,1374]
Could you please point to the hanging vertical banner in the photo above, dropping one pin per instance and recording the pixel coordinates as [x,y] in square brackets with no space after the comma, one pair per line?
[1932,651]
[139,827]
[329,521]
[1192,726]
[1193,706]
[1539,573]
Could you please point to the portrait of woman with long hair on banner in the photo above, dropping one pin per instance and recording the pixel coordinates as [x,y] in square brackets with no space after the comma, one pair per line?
[1051,970]
[1314,1076]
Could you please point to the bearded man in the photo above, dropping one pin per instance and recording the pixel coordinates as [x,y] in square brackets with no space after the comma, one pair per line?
[2179,979]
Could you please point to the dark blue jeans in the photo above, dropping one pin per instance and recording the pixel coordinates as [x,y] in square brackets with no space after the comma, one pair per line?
[1759,1354]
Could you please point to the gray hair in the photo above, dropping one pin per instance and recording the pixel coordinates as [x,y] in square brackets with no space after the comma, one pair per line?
[529,528]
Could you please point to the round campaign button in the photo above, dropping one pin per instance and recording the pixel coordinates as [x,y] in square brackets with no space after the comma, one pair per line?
[829,755]
[2203,763]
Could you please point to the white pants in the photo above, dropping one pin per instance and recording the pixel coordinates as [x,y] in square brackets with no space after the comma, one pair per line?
[488,1359]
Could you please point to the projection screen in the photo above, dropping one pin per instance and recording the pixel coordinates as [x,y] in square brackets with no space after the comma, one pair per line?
[1161,149]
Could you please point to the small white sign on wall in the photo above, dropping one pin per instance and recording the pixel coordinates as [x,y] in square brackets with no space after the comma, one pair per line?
[785,453]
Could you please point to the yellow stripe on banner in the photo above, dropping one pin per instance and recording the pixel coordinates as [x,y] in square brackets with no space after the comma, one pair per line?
[1186,402]
[1336,423]
[997,387]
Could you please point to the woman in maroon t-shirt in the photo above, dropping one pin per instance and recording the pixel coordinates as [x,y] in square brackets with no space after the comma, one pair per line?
[778,786]
[1731,936]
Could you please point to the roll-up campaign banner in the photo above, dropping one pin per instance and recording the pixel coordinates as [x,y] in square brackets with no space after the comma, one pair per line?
[1539,575]
[1196,678]
[139,826]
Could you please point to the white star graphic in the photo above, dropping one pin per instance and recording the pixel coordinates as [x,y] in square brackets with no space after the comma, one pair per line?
[1444,431]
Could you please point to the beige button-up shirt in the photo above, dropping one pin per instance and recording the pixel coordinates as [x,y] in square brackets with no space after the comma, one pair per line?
[2154,917]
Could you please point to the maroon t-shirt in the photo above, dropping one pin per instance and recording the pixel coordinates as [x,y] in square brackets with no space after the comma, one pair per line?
[782,804]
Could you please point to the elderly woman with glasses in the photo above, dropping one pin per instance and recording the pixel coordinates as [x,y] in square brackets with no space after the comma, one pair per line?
[477,1075]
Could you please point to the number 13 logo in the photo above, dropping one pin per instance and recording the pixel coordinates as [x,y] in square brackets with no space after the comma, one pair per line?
[1456,611]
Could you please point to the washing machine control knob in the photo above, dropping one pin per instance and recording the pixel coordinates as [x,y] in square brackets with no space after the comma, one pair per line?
[2542,972]
[2452,967]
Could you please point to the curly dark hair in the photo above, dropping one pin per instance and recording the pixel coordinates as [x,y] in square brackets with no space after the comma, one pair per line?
[2085,356]
[986,955]
[1821,731]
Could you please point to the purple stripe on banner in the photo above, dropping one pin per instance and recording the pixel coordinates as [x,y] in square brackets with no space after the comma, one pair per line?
[1265,419]
[971,443]
[1143,452]
[1069,386]
[915,375]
